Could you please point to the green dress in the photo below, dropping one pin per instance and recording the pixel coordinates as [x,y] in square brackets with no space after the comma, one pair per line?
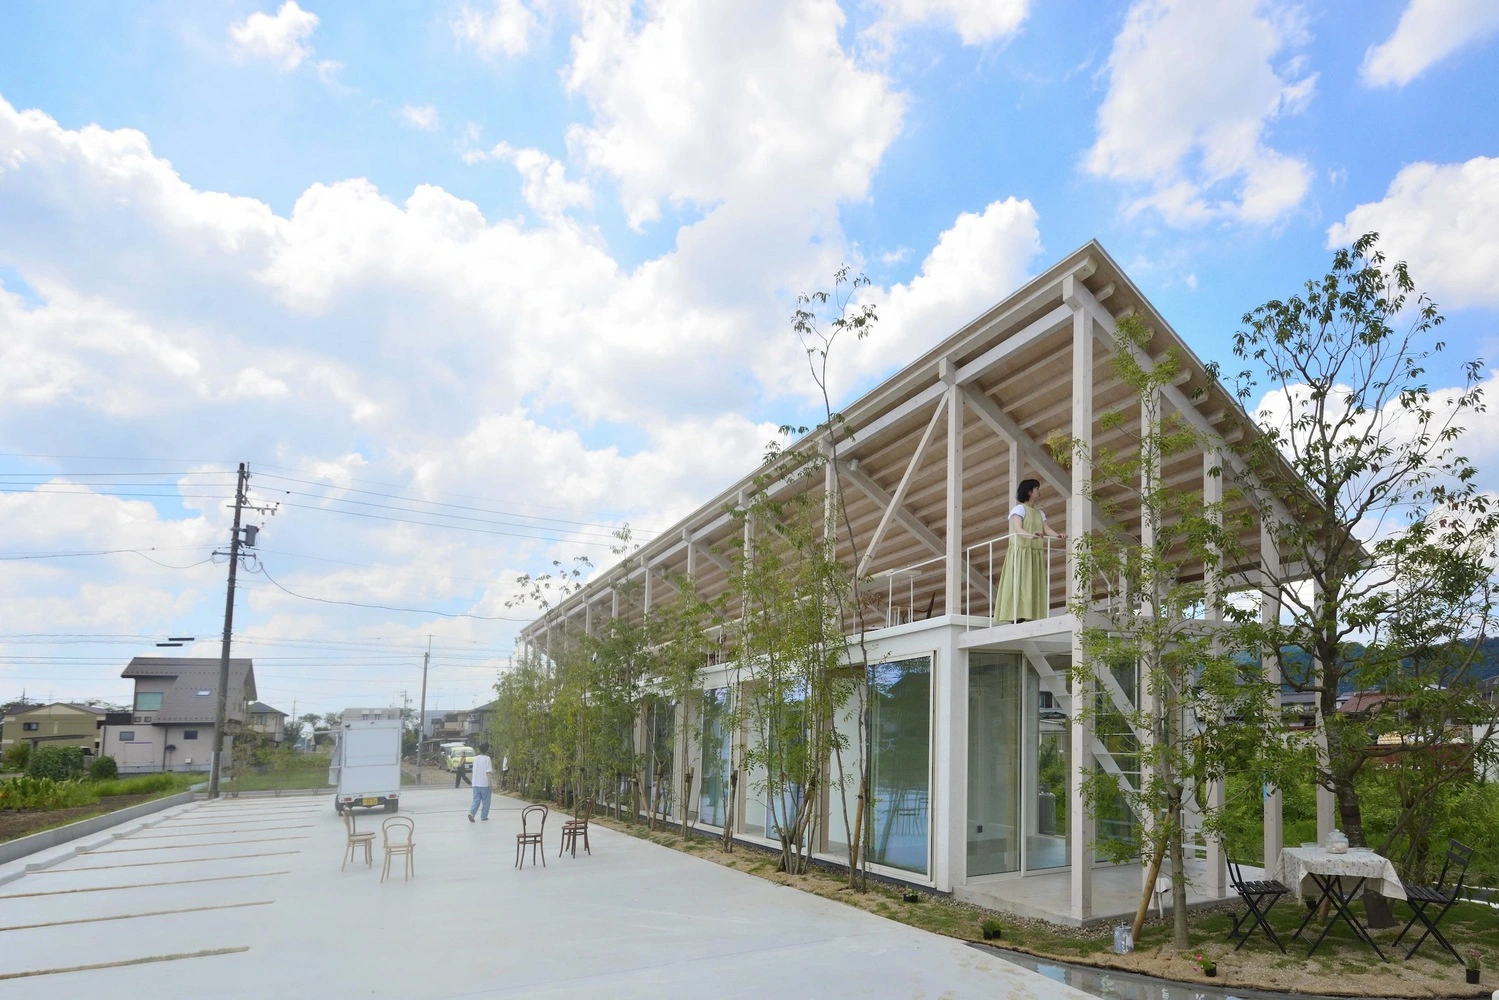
[1022,582]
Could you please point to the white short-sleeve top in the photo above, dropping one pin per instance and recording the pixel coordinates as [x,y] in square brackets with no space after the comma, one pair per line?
[1019,511]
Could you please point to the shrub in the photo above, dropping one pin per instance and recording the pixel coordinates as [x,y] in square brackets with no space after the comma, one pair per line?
[27,792]
[16,756]
[103,769]
[57,763]
[991,928]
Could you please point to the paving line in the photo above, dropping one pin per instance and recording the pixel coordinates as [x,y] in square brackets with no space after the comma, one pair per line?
[139,885]
[188,847]
[132,916]
[228,822]
[125,963]
[147,835]
[149,864]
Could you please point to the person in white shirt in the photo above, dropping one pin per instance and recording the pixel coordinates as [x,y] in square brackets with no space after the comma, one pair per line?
[479,771]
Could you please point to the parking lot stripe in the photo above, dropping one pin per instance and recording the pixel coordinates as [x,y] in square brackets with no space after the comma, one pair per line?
[185,847]
[149,864]
[139,885]
[132,916]
[147,835]
[147,960]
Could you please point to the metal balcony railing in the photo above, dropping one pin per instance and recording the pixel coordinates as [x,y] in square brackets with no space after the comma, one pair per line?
[986,560]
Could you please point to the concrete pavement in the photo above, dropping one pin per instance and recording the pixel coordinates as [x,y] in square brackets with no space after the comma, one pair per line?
[238,898]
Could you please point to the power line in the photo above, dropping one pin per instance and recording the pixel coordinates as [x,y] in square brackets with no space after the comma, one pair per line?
[437,503]
[451,527]
[386,607]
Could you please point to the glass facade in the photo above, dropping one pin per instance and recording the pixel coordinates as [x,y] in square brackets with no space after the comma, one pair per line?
[994,752]
[660,726]
[717,758]
[900,775]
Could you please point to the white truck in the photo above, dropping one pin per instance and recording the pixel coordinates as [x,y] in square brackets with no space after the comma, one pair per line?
[366,766]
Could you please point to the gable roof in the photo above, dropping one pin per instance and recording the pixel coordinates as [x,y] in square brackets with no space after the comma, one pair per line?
[181,700]
[90,709]
[261,708]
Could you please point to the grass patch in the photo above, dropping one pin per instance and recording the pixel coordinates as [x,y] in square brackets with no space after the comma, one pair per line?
[281,780]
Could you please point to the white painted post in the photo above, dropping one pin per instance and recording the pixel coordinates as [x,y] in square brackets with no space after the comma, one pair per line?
[1326,801]
[1274,821]
[1150,409]
[1079,525]
[691,554]
[955,413]
[1212,493]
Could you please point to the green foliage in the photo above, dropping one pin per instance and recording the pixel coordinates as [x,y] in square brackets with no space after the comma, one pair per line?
[27,792]
[57,763]
[1381,509]
[154,783]
[103,768]
[991,928]
[16,756]
[1177,696]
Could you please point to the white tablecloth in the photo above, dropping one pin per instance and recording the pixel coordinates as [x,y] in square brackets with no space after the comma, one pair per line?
[1297,864]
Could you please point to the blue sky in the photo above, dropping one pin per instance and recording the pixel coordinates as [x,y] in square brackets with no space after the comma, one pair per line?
[535,257]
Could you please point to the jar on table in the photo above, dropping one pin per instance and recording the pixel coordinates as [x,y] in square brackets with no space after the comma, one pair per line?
[1337,842]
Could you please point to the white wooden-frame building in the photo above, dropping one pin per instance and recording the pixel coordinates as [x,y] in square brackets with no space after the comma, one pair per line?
[929,477]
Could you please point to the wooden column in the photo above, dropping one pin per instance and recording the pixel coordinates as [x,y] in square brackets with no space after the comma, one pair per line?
[955,567]
[1212,496]
[1274,821]
[1079,524]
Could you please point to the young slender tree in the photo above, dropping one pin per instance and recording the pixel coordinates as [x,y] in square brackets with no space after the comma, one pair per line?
[1358,467]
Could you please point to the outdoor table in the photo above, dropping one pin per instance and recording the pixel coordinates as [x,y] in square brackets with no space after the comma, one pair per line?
[1332,874]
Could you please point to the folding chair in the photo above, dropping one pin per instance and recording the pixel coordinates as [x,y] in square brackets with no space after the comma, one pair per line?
[1259,896]
[1422,896]
[527,837]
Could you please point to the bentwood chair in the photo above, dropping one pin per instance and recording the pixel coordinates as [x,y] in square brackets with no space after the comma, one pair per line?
[572,830]
[357,840]
[526,837]
[399,833]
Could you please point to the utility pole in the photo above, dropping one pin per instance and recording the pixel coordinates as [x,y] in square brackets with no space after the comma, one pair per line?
[220,715]
[421,718]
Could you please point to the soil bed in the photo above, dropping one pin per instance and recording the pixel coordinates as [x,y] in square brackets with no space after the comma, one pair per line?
[1342,966]
[23,822]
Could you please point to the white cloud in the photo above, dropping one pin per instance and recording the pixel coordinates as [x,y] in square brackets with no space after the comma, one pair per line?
[410,340]
[420,116]
[977,22]
[976,263]
[504,29]
[280,38]
[544,183]
[1428,32]
[1443,220]
[698,104]
[1193,89]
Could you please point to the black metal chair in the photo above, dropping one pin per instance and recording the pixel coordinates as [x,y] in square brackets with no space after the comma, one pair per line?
[1259,896]
[1420,897]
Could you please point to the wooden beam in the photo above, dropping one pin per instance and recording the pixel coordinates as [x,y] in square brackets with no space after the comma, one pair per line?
[900,491]
[1032,332]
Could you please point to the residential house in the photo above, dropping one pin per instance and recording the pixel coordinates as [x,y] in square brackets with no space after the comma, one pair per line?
[268,721]
[58,724]
[171,724]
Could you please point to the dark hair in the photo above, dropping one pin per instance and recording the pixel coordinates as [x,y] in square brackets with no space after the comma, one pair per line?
[484,748]
[1027,487]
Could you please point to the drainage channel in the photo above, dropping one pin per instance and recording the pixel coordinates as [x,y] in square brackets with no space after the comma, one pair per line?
[1112,985]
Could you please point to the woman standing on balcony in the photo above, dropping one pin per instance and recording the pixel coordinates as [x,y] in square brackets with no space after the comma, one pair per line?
[1022,583]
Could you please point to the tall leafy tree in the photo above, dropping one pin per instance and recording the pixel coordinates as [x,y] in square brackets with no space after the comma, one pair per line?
[1378,489]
